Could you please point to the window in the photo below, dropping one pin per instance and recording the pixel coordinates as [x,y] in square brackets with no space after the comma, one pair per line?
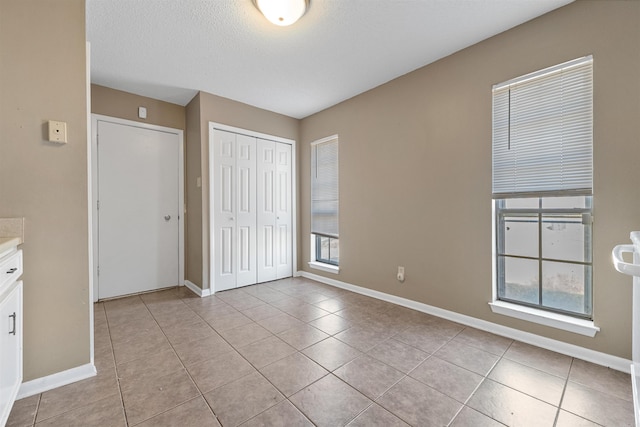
[544,253]
[325,248]
[542,189]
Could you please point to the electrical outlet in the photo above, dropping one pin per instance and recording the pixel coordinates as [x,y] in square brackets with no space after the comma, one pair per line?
[400,275]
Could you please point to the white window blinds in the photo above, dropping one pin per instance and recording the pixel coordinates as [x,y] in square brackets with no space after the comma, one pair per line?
[543,131]
[324,187]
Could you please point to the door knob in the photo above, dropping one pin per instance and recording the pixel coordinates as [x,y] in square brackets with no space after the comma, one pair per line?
[167,217]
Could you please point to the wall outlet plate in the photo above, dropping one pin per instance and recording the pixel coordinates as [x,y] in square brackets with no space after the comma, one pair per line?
[57,132]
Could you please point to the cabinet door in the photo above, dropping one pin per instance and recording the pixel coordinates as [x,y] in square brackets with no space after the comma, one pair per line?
[10,349]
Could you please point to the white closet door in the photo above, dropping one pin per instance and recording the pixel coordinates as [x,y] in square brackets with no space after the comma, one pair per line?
[246,210]
[224,210]
[251,203]
[266,198]
[284,265]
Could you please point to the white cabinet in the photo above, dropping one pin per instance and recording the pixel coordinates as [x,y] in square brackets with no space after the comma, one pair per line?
[10,331]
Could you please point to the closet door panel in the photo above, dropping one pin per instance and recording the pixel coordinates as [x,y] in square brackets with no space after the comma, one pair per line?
[223,205]
[252,210]
[266,198]
[246,210]
[284,239]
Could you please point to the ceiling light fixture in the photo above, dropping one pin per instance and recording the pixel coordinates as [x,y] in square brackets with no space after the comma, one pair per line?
[282,12]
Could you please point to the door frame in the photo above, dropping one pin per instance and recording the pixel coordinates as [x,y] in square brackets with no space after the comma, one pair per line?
[210,214]
[95,118]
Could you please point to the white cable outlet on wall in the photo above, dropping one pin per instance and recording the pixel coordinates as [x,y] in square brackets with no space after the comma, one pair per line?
[57,132]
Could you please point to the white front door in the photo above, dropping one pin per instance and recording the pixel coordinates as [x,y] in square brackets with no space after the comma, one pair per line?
[139,209]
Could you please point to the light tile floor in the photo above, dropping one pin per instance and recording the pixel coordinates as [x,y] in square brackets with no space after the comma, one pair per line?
[299,353]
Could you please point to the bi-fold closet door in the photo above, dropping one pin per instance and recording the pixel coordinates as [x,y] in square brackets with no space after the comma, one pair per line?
[252,212]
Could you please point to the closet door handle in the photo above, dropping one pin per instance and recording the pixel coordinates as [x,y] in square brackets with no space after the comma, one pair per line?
[13,329]
[12,270]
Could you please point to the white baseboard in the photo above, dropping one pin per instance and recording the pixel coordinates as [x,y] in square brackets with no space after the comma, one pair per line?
[196,289]
[40,385]
[604,359]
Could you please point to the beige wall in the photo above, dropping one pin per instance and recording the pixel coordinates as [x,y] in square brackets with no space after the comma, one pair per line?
[415,168]
[124,105]
[43,77]
[193,241]
[214,108]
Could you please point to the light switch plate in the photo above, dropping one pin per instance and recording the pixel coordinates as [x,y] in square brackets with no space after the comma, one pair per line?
[58,132]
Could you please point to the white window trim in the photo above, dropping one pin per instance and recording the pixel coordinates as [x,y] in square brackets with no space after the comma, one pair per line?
[313,263]
[546,318]
[530,314]
[328,268]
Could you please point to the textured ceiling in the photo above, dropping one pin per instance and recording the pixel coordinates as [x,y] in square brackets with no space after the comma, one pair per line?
[170,49]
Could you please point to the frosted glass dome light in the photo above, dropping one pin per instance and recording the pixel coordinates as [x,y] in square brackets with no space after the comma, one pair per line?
[282,12]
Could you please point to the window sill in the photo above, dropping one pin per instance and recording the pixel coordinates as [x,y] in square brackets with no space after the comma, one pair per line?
[324,267]
[541,317]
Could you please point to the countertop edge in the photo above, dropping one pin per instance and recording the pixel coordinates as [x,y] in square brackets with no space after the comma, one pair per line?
[8,243]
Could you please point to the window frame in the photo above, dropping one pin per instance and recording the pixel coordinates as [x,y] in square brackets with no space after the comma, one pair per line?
[316,260]
[318,257]
[508,183]
[500,212]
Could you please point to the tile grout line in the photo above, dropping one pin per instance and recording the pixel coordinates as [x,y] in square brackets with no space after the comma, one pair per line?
[405,375]
[115,365]
[564,389]
[201,394]
[329,372]
[172,348]
[35,415]
[485,378]
[286,398]
[241,355]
